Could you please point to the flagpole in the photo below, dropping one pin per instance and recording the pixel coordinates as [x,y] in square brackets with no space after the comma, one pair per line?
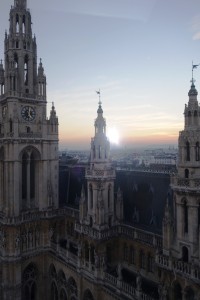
[192,71]
[99,93]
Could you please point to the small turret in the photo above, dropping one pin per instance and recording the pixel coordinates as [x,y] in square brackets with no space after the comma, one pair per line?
[41,80]
[22,4]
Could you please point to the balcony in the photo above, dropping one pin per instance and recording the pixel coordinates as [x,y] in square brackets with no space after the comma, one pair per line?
[30,135]
[145,237]
[37,215]
[183,184]
[187,270]
[100,174]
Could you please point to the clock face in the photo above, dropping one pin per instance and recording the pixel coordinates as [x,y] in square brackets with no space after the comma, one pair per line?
[28,113]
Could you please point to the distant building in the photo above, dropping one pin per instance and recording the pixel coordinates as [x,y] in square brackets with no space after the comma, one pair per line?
[118,239]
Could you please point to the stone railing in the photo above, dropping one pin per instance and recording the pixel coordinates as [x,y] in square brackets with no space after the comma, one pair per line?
[37,215]
[185,183]
[28,97]
[122,288]
[148,238]
[110,282]
[107,173]
[30,135]
[180,267]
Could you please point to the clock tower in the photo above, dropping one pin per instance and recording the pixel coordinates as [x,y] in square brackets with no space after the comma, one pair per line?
[28,138]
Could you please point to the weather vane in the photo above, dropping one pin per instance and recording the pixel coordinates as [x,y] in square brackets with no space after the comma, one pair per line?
[99,93]
[193,67]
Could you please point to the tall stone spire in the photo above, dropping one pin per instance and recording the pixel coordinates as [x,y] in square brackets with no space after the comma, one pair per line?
[20,53]
[185,184]
[100,146]
[100,177]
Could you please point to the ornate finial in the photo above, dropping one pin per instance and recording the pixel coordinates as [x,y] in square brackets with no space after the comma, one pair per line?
[193,67]
[99,93]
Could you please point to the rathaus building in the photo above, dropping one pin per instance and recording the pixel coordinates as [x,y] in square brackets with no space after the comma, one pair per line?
[88,253]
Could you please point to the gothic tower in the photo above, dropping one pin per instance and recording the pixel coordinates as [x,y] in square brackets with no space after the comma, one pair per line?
[29,141]
[186,184]
[100,209]
[28,161]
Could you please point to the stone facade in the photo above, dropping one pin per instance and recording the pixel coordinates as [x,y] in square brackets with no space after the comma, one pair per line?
[86,253]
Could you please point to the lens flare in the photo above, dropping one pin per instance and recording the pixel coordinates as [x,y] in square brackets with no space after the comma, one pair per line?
[113,135]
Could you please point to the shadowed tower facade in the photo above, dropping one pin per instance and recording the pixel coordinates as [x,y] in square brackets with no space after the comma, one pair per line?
[28,148]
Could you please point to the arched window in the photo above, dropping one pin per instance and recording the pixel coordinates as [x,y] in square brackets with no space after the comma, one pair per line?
[63,295]
[15,60]
[32,176]
[99,151]
[186,173]
[91,196]
[30,158]
[187,151]
[29,279]
[54,291]
[17,23]
[24,176]
[26,70]
[24,24]
[11,125]
[185,254]
[185,216]
[197,151]
[142,260]
[52,271]
[150,263]
[189,294]
[132,255]
[177,291]
[86,251]
[88,295]
[125,252]
[72,287]
[109,195]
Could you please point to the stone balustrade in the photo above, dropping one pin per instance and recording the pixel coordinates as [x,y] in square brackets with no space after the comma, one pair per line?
[104,173]
[148,238]
[37,215]
[188,270]
[185,183]
[37,135]
[16,94]
[125,289]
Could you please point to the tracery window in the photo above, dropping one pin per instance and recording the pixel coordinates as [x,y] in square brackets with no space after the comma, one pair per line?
[30,158]
[29,279]
[197,151]
[185,216]
[187,151]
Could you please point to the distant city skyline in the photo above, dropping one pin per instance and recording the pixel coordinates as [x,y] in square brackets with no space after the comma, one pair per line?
[139,53]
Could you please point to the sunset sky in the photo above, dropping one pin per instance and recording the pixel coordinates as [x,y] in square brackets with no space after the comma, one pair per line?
[139,53]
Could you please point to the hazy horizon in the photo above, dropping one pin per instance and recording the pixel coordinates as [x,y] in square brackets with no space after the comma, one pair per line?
[139,53]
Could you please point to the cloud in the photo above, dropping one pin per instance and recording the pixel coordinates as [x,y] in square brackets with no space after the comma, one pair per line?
[196,27]
[122,9]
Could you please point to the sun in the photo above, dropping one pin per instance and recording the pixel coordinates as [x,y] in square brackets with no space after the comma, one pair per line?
[113,135]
